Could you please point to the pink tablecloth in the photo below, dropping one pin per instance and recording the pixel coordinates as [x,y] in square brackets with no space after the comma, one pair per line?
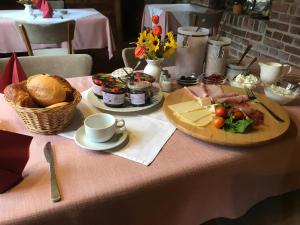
[188,183]
[91,32]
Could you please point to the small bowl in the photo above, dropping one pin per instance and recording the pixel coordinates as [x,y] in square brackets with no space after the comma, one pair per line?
[122,73]
[281,92]
[241,81]
[188,80]
[214,79]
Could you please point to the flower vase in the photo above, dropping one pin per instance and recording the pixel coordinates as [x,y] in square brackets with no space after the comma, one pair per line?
[153,68]
[28,10]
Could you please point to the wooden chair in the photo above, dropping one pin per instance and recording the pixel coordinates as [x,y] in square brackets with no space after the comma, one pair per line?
[47,34]
[63,65]
[130,60]
[206,20]
[57,4]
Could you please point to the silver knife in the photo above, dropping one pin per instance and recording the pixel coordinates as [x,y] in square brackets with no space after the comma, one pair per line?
[55,195]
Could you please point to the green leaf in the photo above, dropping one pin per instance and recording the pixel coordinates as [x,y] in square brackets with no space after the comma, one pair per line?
[239,126]
[242,125]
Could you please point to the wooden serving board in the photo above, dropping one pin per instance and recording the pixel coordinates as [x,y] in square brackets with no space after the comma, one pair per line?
[268,131]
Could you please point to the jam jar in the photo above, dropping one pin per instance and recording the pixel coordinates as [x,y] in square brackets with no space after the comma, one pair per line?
[114,95]
[99,80]
[139,93]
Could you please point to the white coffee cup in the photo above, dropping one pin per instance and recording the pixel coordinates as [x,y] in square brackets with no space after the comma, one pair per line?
[101,127]
[270,72]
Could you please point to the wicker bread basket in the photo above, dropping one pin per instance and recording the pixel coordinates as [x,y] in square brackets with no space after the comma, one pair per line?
[47,120]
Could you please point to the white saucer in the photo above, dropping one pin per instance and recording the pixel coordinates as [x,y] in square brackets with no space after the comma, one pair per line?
[84,142]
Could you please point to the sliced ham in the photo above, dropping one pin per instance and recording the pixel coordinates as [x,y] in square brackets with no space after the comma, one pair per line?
[233,99]
[199,90]
[202,90]
[226,95]
[214,90]
[255,115]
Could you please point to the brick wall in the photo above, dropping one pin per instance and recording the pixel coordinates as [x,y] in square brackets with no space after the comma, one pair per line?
[277,38]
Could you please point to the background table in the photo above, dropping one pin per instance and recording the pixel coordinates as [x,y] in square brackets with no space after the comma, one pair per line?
[171,16]
[188,183]
[92,29]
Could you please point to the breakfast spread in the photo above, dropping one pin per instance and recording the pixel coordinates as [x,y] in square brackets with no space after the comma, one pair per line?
[229,111]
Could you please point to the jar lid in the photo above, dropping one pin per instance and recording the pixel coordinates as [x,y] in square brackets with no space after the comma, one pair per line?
[191,31]
[222,41]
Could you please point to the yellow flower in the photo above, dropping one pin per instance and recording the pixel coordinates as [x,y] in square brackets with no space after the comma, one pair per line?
[170,36]
[142,39]
[153,42]
[171,43]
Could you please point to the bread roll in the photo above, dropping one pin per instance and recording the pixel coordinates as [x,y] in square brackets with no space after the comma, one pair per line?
[58,104]
[18,94]
[49,89]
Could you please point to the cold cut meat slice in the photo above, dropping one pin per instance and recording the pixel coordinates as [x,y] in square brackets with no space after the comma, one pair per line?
[233,99]
[214,90]
[202,90]
[199,90]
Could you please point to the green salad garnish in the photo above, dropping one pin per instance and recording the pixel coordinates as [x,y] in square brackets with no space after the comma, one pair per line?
[236,126]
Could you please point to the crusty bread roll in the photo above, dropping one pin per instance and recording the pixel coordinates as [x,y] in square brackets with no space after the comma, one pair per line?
[58,104]
[49,89]
[18,94]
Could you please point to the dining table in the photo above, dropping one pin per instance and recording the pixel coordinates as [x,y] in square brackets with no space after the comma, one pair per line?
[172,16]
[189,181]
[92,29]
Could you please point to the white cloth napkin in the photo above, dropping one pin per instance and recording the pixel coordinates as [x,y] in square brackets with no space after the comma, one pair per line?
[147,133]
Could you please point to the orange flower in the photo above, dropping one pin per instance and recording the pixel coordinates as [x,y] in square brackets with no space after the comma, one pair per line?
[140,51]
[155,19]
[156,30]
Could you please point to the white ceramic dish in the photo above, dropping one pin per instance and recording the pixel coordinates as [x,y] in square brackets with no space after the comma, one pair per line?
[116,141]
[120,73]
[280,98]
[95,101]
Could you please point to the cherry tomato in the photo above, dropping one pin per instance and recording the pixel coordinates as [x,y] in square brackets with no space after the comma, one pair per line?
[218,122]
[238,115]
[220,111]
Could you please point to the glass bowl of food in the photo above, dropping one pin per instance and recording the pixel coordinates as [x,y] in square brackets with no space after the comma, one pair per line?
[283,92]
[214,79]
[245,81]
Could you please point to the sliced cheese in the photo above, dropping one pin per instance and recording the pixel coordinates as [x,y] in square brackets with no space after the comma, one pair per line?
[194,116]
[185,107]
[204,121]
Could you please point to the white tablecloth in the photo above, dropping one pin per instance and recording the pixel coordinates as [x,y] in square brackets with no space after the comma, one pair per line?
[92,29]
